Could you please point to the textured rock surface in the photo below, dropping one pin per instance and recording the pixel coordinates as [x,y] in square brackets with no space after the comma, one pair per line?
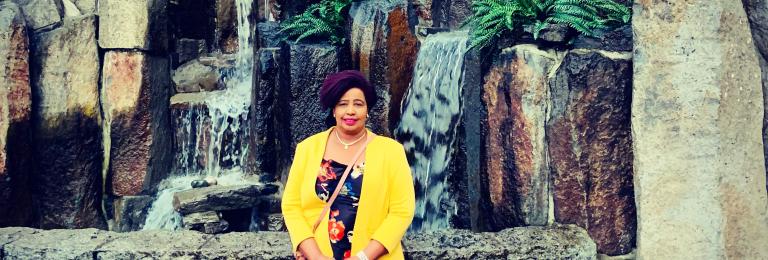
[268,35]
[220,197]
[134,96]
[131,212]
[615,39]
[384,49]
[41,13]
[699,164]
[139,24]
[194,76]
[590,147]
[305,70]
[556,242]
[86,6]
[516,95]
[187,50]
[57,244]
[757,12]
[154,244]
[264,108]
[442,13]
[15,118]
[65,75]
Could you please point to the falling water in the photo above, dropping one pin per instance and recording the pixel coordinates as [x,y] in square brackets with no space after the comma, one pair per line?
[431,113]
[216,131]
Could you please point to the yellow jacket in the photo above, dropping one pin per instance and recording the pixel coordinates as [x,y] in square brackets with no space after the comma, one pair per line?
[387,199]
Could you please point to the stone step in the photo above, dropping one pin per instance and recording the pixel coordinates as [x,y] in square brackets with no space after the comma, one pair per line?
[218,197]
[553,242]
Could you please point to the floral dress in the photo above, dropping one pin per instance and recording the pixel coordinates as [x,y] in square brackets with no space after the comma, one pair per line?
[344,208]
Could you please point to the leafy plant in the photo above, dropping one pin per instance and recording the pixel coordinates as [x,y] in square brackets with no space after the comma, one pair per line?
[323,21]
[493,18]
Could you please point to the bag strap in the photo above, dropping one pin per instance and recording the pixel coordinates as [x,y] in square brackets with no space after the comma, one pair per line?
[341,182]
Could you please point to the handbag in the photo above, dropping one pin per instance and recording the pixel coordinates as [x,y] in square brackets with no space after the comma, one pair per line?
[343,178]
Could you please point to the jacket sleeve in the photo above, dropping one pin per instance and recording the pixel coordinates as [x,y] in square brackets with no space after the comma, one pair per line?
[402,202]
[298,228]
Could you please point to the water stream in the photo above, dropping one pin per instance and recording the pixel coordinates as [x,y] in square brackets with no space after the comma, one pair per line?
[431,112]
[217,131]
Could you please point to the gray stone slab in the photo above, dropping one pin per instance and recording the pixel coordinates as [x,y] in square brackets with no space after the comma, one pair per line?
[154,244]
[58,244]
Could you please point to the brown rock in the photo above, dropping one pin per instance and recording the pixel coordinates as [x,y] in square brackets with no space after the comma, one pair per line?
[67,135]
[15,118]
[137,24]
[590,147]
[699,164]
[515,95]
[218,197]
[384,49]
[135,96]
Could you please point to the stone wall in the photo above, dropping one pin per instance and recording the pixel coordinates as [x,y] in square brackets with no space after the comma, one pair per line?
[557,242]
[697,116]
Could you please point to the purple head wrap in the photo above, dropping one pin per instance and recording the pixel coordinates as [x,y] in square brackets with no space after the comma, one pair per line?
[336,84]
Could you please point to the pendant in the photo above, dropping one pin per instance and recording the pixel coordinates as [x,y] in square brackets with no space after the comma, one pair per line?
[346,147]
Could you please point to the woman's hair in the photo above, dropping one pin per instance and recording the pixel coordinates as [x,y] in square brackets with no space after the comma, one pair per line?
[336,84]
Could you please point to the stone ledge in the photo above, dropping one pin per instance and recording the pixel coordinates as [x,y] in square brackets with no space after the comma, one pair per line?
[554,242]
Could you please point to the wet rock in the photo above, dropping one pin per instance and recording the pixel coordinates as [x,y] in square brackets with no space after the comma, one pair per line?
[15,118]
[140,24]
[226,25]
[11,234]
[154,244]
[187,50]
[757,12]
[193,76]
[590,148]
[613,39]
[698,159]
[264,108]
[131,212]
[67,135]
[135,96]
[383,48]
[193,220]
[207,134]
[269,10]
[555,242]
[220,197]
[516,95]
[276,222]
[58,244]
[268,35]
[306,68]
[192,19]
[215,227]
[41,13]
[442,13]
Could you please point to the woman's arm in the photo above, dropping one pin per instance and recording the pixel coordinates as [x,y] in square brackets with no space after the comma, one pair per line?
[298,228]
[402,203]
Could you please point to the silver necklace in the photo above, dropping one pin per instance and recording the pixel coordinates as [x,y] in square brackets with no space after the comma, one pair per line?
[346,145]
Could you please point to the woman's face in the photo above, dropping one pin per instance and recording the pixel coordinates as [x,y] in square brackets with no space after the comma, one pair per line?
[351,111]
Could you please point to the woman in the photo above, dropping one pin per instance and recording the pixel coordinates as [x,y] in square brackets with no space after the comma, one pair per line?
[376,203]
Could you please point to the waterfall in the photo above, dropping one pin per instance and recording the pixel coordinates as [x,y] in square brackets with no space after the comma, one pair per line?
[216,131]
[431,112]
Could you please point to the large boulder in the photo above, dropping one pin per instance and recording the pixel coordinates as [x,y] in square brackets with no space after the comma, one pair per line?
[67,134]
[220,197]
[383,48]
[41,14]
[442,13]
[757,12]
[134,98]
[264,109]
[131,212]
[194,76]
[699,169]
[306,67]
[15,118]
[516,96]
[590,148]
[139,24]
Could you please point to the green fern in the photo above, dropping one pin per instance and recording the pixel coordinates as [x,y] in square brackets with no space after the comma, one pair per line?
[493,19]
[320,21]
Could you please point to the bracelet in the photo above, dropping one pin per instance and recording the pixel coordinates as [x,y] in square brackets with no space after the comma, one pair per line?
[362,256]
